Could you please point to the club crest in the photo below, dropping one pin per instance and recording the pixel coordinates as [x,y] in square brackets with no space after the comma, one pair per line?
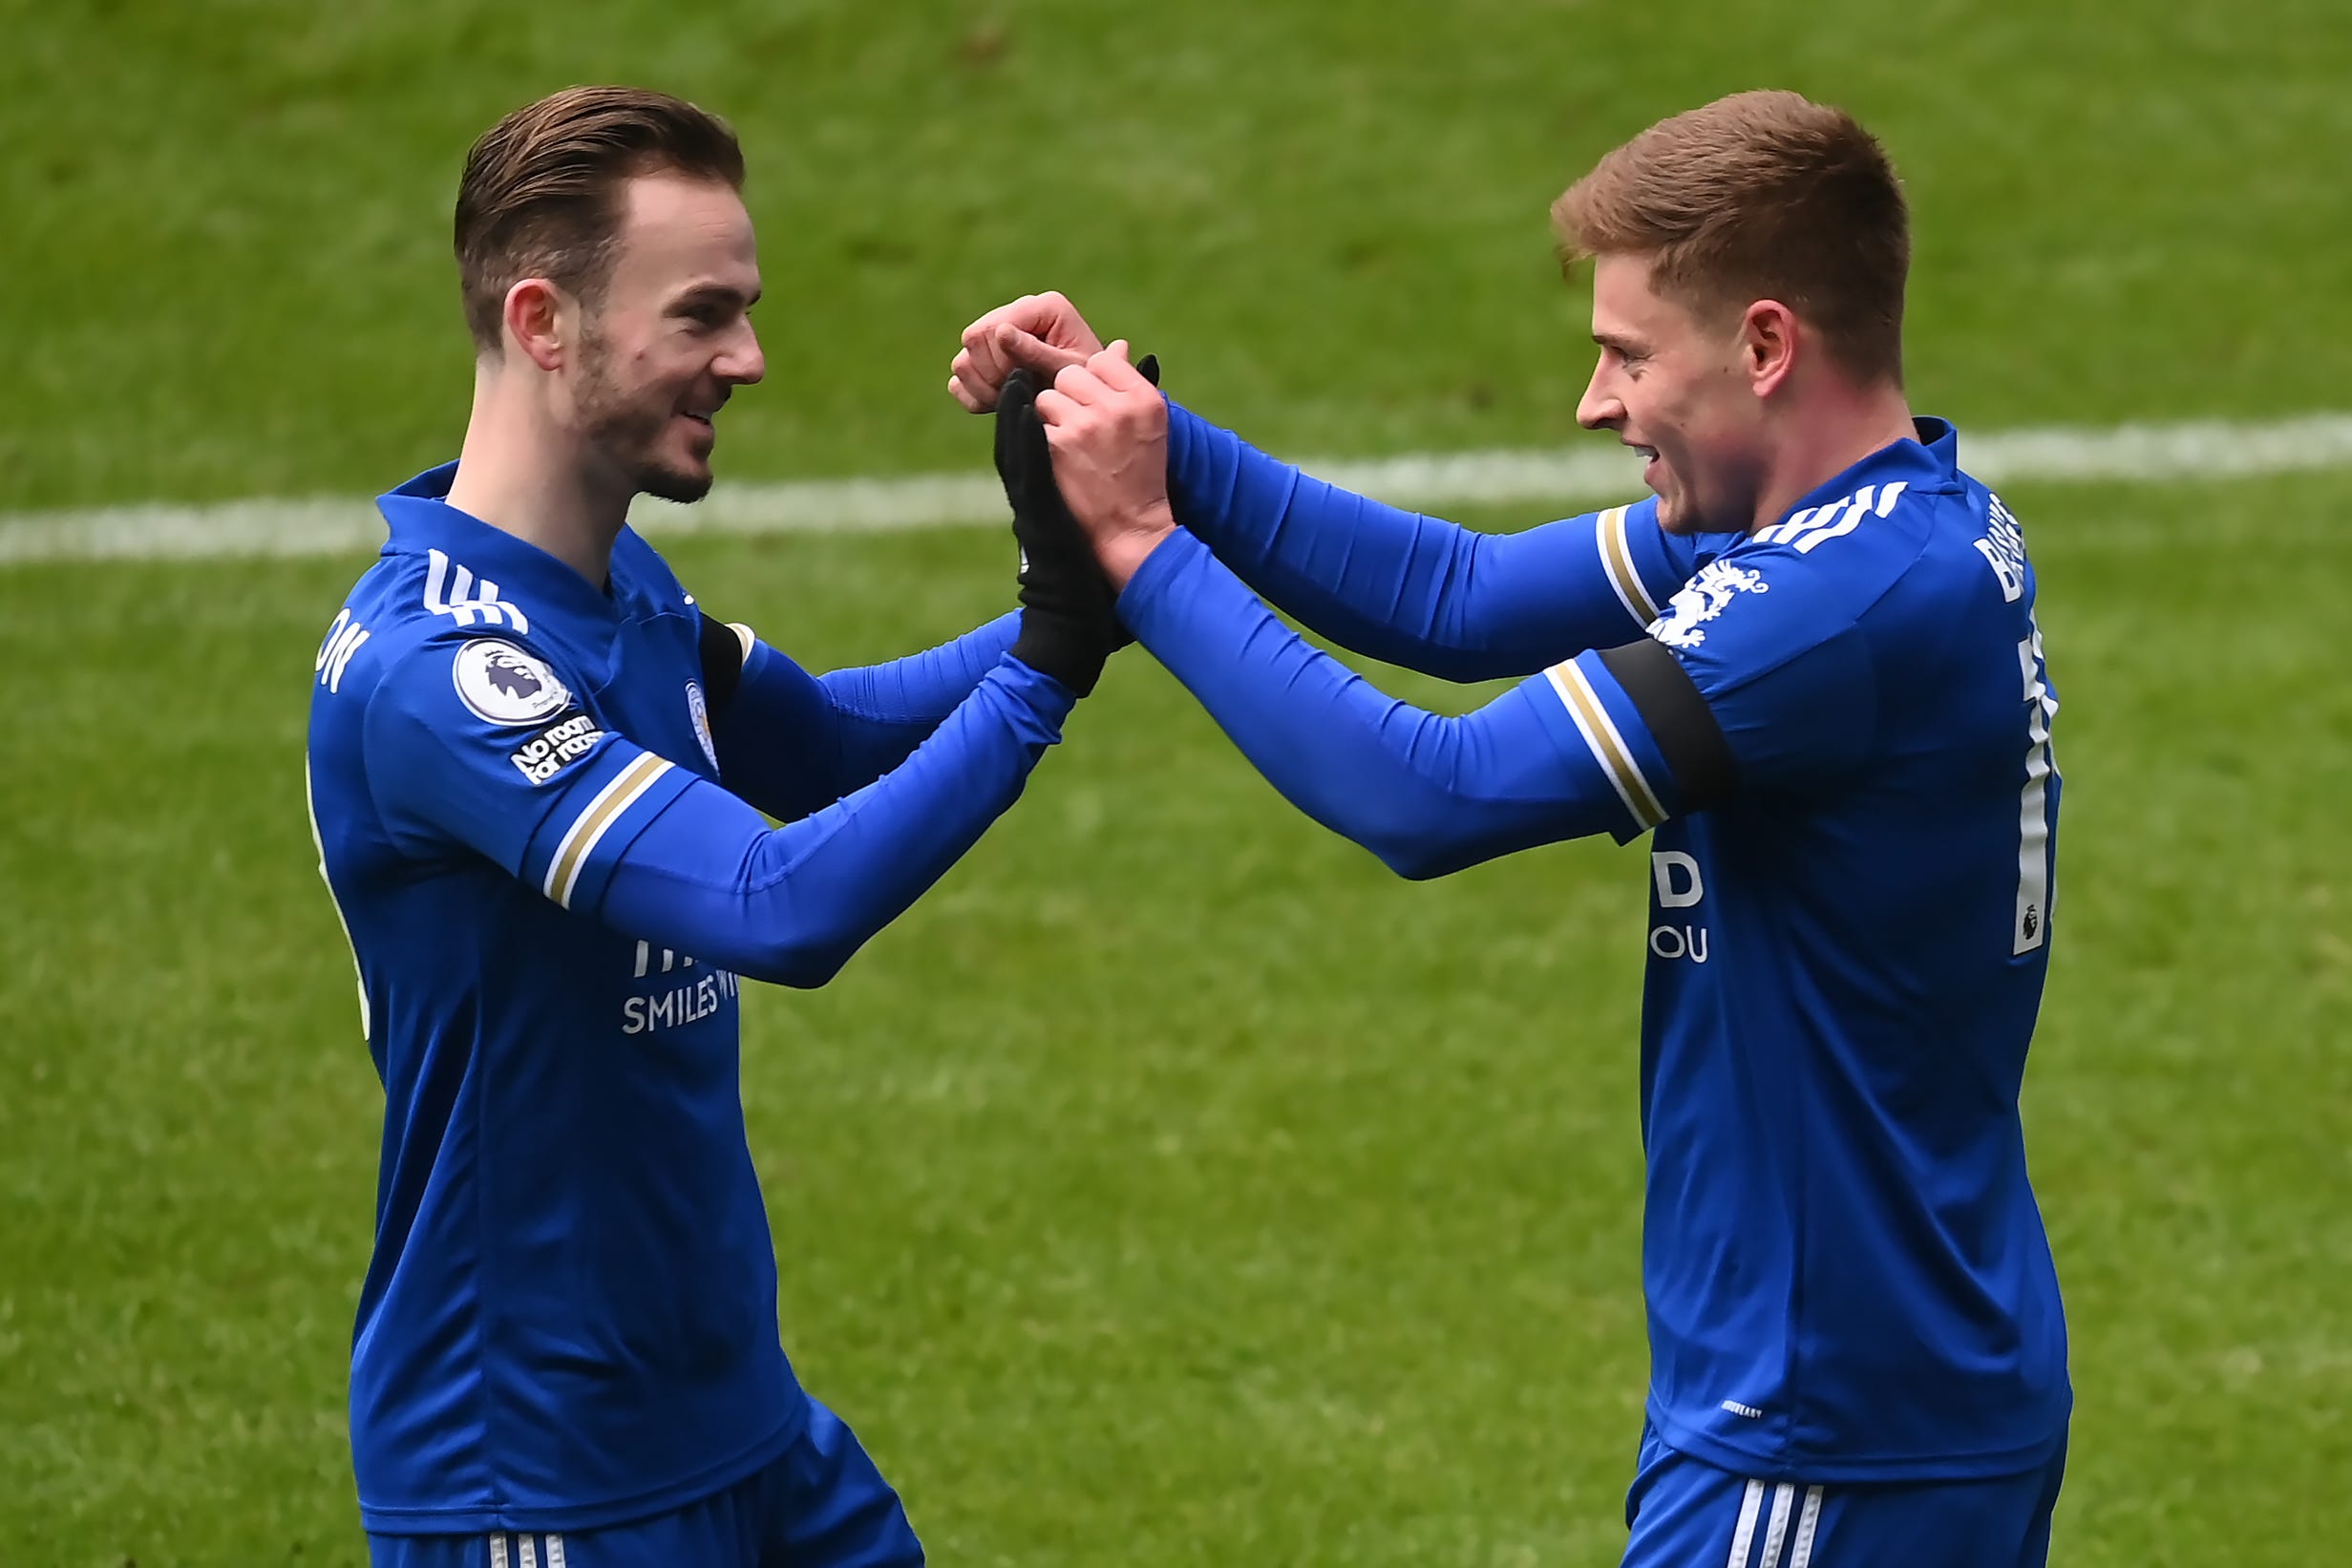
[699,711]
[1702,598]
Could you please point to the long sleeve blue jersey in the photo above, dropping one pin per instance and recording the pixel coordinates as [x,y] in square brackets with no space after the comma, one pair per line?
[540,830]
[1839,729]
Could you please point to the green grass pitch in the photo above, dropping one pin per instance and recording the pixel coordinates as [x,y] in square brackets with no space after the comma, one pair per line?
[1171,1186]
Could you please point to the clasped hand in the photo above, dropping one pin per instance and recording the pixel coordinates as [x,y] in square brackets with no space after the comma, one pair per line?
[1106,425]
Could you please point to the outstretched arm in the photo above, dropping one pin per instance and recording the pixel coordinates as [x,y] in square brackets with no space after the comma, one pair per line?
[1413,590]
[1613,740]
[1426,794]
[598,824]
[790,742]
[791,904]
[660,853]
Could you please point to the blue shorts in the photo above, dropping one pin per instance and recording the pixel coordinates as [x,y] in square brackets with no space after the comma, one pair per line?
[821,1504]
[1686,1513]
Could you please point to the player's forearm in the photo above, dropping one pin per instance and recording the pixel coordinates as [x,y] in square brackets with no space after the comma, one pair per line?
[779,736]
[1413,590]
[885,711]
[790,742]
[791,904]
[1428,795]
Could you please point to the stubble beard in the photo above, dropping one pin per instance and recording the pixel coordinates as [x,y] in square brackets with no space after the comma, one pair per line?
[628,435]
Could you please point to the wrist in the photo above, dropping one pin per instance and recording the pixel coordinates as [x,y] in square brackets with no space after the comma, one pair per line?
[1057,646]
[1124,552]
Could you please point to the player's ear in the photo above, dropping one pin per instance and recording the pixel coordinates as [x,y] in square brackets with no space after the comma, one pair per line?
[1767,345]
[536,318]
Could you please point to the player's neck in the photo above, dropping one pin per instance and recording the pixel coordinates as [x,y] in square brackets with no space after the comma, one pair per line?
[522,474]
[1839,426]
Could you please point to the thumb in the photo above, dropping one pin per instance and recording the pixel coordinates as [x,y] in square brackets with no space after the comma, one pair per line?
[1025,347]
[1111,368]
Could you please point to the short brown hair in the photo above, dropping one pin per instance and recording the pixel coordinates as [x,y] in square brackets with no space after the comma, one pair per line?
[1759,195]
[540,192]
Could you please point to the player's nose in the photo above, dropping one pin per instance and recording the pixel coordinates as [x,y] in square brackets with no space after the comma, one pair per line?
[1600,407]
[744,364]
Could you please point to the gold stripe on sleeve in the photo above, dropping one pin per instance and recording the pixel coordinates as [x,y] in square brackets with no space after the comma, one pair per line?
[601,813]
[1609,748]
[1618,550]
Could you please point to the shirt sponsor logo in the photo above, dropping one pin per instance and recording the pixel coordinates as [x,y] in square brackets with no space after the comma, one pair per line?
[505,685]
[686,1000]
[1680,886]
[687,1004]
[1702,598]
[557,747]
[681,1004]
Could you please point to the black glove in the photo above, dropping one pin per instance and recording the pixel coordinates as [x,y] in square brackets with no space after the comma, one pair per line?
[1068,625]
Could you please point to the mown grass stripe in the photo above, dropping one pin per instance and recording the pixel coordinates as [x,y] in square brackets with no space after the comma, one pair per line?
[2208,448]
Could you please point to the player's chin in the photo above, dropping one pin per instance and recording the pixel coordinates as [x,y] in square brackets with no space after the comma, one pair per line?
[1672,513]
[1678,514]
[684,480]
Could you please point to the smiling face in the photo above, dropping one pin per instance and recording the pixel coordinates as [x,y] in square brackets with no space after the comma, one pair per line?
[669,336]
[1680,391]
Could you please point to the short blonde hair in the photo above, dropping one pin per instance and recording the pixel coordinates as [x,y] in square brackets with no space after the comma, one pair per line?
[1759,195]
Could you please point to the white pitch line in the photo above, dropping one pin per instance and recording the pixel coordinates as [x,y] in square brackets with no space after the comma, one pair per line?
[2206,448]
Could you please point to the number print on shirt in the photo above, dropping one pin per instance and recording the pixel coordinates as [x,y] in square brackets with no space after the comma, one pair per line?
[2033,822]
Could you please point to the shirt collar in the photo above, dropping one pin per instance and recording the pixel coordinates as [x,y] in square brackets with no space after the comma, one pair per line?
[1929,460]
[421,518]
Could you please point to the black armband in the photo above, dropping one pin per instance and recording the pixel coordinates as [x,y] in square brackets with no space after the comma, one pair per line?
[1678,720]
[722,661]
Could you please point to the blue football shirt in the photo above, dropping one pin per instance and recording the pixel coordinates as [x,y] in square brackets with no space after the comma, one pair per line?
[1848,1277]
[570,1315]
[1839,728]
